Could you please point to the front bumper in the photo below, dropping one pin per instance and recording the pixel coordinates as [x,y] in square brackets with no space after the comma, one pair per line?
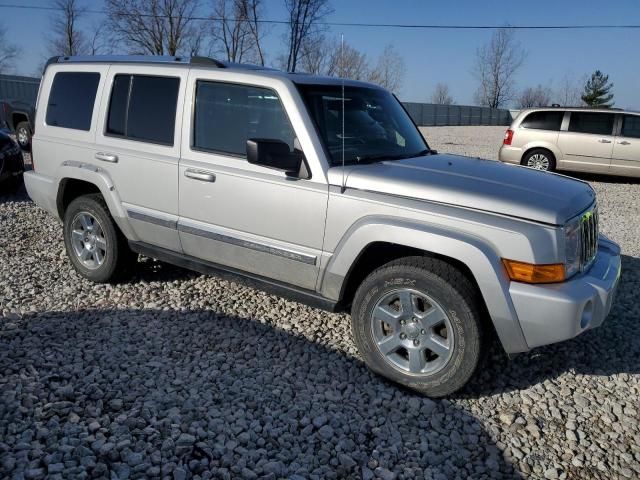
[556,312]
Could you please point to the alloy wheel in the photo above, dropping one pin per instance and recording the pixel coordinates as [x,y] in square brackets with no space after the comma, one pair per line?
[412,331]
[88,240]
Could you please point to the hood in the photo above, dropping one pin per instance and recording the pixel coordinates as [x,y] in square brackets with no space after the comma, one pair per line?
[473,183]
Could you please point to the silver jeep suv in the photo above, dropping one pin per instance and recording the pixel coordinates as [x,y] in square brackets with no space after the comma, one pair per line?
[322,190]
[577,139]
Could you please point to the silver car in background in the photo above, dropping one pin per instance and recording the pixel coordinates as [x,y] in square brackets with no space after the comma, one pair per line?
[576,139]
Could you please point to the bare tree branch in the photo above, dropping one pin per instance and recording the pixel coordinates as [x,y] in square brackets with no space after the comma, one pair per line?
[441,95]
[239,33]
[569,91]
[327,57]
[303,18]
[495,67]
[534,97]
[68,38]
[8,51]
[389,70]
[154,27]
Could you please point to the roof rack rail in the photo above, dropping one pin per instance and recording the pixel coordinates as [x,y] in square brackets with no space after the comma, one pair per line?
[138,59]
[207,61]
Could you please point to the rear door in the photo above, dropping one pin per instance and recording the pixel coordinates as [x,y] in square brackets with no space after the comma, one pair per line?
[587,144]
[138,144]
[626,150]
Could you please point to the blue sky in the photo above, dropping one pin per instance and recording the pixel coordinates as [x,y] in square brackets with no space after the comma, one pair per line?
[433,56]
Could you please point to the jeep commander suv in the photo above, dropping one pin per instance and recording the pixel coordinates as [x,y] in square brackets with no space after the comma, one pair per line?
[322,190]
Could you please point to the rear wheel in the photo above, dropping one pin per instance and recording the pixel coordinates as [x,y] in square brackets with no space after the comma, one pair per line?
[417,322]
[96,247]
[540,159]
[23,135]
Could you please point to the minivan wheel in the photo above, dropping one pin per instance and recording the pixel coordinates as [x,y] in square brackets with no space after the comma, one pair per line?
[540,159]
[97,249]
[23,135]
[417,321]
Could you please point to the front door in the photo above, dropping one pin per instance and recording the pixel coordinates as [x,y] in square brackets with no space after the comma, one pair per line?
[626,150]
[588,142]
[245,216]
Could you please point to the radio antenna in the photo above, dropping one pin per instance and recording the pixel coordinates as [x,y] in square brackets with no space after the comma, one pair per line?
[342,82]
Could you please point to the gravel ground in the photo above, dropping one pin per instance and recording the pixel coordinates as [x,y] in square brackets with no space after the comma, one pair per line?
[178,375]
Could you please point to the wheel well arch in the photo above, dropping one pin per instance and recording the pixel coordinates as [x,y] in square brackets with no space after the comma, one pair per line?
[376,254]
[70,189]
[530,149]
[18,117]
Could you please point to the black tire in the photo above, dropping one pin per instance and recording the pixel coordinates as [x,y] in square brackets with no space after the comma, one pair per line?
[457,299]
[529,157]
[117,257]
[23,131]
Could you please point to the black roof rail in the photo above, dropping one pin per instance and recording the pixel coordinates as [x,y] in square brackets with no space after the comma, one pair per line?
[207,62]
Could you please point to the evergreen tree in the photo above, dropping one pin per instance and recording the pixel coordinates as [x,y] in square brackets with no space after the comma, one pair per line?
[596,91]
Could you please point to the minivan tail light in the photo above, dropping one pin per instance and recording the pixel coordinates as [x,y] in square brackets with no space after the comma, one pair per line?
[508,137]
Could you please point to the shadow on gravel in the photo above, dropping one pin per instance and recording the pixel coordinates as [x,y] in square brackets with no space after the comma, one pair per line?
[119,393]
[611,349]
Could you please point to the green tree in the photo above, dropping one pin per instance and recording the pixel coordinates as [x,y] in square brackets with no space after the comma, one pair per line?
[597,91]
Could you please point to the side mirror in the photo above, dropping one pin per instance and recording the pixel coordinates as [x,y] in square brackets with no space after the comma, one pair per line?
[276,154]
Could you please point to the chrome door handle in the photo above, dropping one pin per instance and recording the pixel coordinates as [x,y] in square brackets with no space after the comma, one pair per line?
[604,140]
[624,142]
[106,157]
[200,175]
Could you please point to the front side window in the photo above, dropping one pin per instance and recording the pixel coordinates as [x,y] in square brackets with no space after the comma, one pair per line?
[71,100]
[631,126]
[376,127]
[227,115]
[590,122]
[143,108]
[543,120]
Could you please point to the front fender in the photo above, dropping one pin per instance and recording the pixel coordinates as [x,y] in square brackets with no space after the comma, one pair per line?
[477,254]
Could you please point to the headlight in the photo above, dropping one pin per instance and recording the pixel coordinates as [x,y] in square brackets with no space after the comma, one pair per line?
[572,248]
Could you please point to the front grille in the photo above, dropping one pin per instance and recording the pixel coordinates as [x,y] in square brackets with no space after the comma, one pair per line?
[589,237]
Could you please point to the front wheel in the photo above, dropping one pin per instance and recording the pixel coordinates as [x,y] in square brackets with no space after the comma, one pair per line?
[417,322]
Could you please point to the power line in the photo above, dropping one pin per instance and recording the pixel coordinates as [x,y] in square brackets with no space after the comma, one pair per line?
[357,24]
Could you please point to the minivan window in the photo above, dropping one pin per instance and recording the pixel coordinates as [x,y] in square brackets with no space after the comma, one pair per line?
[227,115]
[71,100]
[543,120]
[631,126]
[143,108]
[591,122]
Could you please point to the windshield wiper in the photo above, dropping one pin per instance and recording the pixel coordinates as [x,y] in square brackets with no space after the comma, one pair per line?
[399,156]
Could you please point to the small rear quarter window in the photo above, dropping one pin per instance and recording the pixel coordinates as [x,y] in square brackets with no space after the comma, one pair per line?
[543,120]
[71,100]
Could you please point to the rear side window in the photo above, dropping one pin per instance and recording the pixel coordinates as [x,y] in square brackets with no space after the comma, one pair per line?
[71,100]
[631,126]
[227,115]
[543,120]
[596,123]
[143,108]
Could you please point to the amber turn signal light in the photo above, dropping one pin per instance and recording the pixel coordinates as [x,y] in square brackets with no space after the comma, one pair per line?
[531,273]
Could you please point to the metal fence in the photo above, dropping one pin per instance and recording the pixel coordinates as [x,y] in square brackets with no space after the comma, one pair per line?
[19,88]
[429,114]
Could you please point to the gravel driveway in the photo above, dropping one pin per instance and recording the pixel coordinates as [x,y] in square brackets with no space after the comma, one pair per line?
[178,375]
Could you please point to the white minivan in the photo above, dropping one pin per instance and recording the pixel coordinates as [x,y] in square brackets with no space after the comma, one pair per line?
[576,139]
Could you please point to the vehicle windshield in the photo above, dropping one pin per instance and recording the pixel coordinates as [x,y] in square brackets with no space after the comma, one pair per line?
[376,127]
